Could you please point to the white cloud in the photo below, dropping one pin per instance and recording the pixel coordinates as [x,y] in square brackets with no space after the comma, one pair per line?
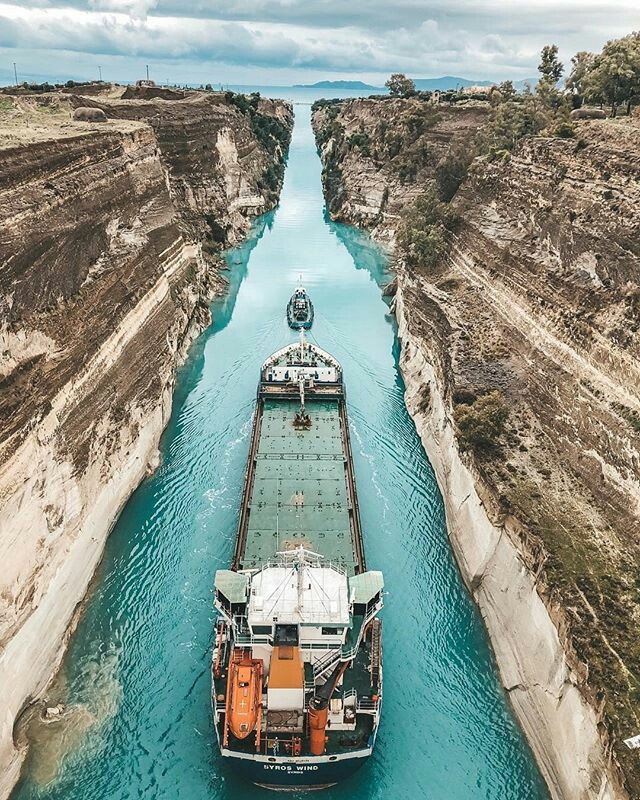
[138,9]
[475,38]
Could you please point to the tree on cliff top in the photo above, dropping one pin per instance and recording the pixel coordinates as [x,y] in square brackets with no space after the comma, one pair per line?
[400,86]
[581,65]
[550,69]
[510,122]
[506,91]
[614,75]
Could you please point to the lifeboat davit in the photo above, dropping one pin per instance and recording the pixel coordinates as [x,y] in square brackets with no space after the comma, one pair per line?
[244,696]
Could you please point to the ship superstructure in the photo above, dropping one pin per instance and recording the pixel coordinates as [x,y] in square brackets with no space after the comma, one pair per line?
[297,665]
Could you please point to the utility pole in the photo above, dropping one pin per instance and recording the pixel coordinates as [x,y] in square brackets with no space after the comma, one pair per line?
[100,72]
[147,72]
[15,73]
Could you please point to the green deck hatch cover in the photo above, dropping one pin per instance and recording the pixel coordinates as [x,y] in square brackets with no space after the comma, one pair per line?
[232,585]
[364,587]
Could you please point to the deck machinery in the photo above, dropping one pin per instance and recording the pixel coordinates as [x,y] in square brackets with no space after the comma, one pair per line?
[297,662]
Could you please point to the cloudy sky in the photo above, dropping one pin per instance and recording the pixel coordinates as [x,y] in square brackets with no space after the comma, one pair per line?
[279,42]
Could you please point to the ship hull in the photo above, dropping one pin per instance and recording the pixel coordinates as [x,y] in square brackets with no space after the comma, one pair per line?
[287,774]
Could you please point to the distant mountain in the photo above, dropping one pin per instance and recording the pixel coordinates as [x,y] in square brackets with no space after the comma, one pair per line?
[453,82]
[447,82]
[335,85]
[444,83]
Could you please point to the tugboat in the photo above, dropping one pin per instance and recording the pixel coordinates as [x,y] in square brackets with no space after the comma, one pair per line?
[297,662]
[300,310]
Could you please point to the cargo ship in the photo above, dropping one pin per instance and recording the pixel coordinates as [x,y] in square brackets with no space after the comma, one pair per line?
[297,660]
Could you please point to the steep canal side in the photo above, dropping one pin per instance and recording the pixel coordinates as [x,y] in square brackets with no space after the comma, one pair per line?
[138,667]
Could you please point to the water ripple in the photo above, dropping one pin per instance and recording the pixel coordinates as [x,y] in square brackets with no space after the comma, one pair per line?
[139,659]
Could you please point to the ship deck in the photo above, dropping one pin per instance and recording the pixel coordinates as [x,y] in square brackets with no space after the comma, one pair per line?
[357,678]
[299,487]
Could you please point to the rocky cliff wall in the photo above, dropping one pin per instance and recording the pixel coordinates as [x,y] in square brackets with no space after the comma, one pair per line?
[535,305]
[108,261]
[378,155]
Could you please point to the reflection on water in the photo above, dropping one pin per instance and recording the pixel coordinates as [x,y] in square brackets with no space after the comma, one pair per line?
[446,732]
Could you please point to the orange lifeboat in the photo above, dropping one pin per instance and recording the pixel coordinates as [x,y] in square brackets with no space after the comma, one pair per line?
[244,697]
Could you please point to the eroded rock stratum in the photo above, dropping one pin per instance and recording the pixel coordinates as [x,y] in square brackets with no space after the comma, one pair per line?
[536,303]
[109,256]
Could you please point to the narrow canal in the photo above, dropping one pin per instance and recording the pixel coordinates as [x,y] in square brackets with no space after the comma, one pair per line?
[138,665]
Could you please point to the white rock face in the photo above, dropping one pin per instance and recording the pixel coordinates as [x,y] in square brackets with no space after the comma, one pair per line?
[95,318]
[560,726]
[55,524]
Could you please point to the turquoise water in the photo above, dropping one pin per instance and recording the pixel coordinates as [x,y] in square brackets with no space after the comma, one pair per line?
[138,665]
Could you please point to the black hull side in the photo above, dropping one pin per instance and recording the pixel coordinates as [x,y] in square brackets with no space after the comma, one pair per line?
[283,775]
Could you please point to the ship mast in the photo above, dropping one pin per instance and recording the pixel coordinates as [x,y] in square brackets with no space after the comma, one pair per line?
[302,419]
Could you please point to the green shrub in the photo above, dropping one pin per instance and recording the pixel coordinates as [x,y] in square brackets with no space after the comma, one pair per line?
[422,233]
[394,145]
[564,130]
[481,423]
[323,103]
[407,169]
[510,122]
[216,233]
[360,140]
[271,178]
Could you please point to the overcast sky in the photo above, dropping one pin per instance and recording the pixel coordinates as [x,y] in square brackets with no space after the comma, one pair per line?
[280,42]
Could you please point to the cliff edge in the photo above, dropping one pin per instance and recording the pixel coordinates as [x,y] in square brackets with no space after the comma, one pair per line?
[109,257]
[520,357]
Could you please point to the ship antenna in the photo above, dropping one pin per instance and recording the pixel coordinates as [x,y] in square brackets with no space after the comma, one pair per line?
[300,568]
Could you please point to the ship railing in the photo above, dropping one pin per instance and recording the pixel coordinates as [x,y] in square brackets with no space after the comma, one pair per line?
[325,663]
[245,638]
[336,566]
[348,653]
[241,624]
[243,635]
[350,694]
[367,705]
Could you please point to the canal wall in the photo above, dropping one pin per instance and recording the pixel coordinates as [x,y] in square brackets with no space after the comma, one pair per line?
[110,256]
[560,726]
[520,354]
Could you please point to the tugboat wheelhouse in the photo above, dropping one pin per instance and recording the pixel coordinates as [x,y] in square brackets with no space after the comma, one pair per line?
[300,310]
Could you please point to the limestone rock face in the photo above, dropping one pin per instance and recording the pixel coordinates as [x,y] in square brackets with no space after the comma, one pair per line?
[537,301]
[379,155]
[108,262]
